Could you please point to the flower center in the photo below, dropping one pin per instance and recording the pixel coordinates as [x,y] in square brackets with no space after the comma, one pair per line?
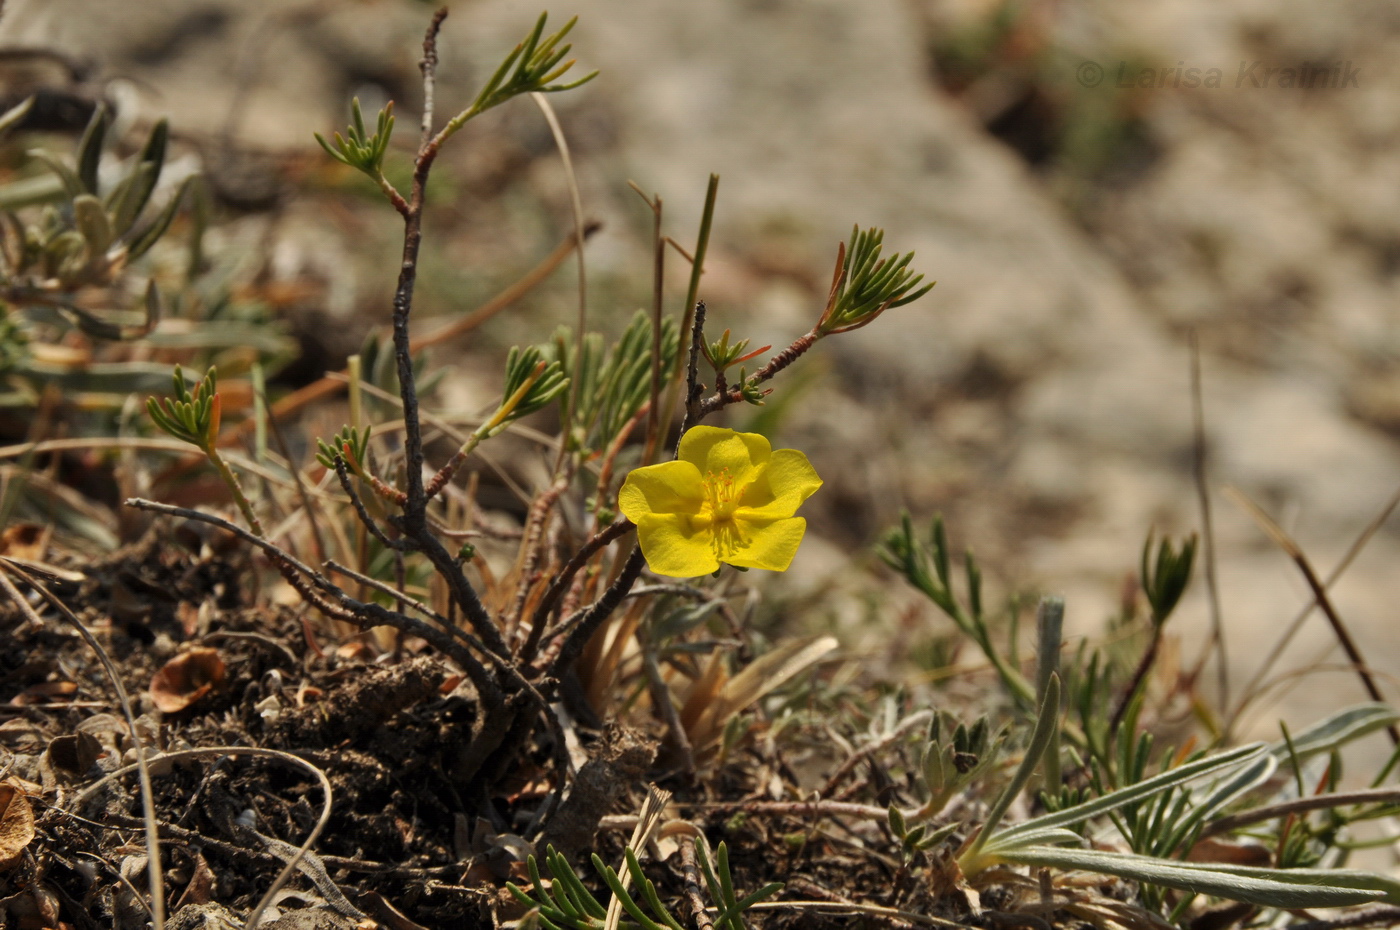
[722,495]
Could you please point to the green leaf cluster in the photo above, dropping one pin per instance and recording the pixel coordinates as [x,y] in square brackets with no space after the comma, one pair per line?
[190,416]
[866,285]
[612,384]
[532,381]
[359,148]
[86,235]
[531,67]
[1164,578]
[350,445]
[927,565]
[954,757]
[566,903]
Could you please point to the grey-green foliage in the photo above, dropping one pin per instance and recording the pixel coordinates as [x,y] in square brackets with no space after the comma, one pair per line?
[532,381]
[1171,826]
[612,383]
[85,236]
[955,757]
[566,903]
[68,240]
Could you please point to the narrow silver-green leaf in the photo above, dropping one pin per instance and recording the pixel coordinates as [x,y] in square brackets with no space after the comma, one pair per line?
[1340,728]
[1147,788]
[1274,891]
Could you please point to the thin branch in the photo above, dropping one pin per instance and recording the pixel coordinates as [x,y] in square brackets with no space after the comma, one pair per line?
[302,493]
[561,583]
[594,616]
[329,385]
[343,475]
[343,606]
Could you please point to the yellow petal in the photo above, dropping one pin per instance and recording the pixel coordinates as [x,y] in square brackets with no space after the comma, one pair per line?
[713,450]
[769,544]
[671,487]
[676,546]
[780,488]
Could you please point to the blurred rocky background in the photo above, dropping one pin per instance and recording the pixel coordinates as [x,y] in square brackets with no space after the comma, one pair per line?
[1083,202]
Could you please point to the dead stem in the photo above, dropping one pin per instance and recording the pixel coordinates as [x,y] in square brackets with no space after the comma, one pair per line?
[1200,451]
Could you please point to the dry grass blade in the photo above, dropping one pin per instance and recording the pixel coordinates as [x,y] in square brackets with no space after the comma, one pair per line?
[189,755]
[647,822]
[1286,543]
[148,804]
[576,203]
[764,674]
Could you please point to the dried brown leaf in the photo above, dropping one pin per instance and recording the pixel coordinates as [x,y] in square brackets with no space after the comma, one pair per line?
[26,541]
[16,824]
[186,679]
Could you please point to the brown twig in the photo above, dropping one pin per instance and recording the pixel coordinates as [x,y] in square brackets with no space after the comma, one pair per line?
[1286,543]
[594,616]
[343,475]
[694,896]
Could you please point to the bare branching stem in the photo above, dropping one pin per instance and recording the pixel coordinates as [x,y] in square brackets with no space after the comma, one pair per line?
[561,583]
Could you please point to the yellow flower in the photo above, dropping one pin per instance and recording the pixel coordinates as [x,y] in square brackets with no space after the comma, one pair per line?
[728,498]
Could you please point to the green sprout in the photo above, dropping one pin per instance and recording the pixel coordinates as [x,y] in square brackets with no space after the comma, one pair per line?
[1165,578]
[350,446]
[537,63]
[566,903]
[358,148]
[951,761]
[531,383]
[194,417]
[865,285]
[191,417]
[724,356]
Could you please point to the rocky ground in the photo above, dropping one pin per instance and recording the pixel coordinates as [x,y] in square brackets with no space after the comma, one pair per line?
[1040,395]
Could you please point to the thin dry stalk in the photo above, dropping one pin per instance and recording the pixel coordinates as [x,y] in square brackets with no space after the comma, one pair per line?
[1251,690]
[1294,552]
[148,802]
[1302,806]
[218,752]
[1200,452]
